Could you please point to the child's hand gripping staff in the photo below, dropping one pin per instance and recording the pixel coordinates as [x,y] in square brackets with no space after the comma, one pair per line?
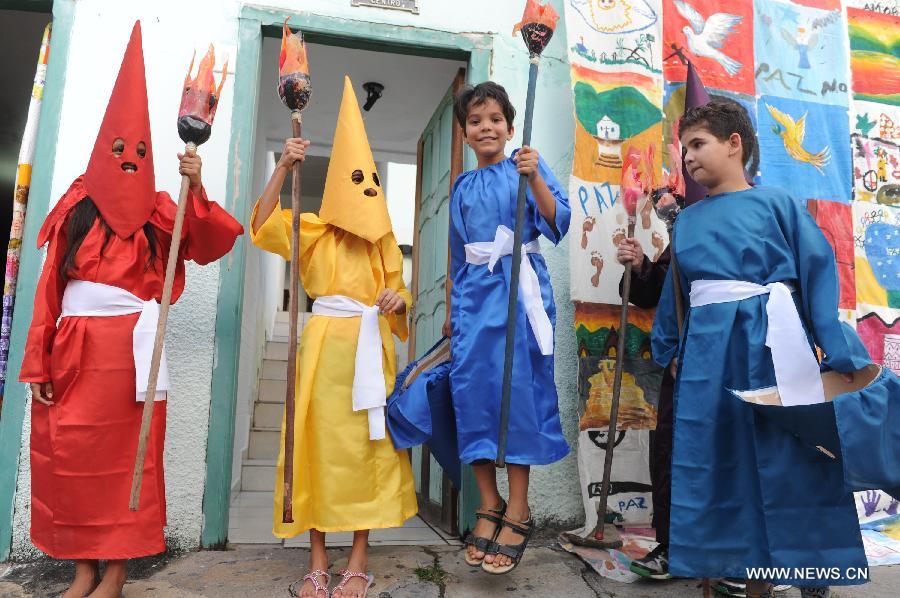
[603,534]
[294,89]
[537,26]
[199,100]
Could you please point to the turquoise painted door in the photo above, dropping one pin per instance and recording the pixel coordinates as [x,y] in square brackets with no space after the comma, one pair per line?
[439,162]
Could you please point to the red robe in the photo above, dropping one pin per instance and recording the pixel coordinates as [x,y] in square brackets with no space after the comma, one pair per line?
[83,447]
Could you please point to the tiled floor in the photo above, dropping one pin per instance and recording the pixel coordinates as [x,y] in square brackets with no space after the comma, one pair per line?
[251,523]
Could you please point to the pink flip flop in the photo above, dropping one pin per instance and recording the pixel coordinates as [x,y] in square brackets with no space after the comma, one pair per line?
[312,577]
[347,576]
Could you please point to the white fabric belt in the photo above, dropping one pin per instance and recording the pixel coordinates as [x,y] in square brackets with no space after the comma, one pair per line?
[368,375]
[529,286]
[92,299]
[797,372]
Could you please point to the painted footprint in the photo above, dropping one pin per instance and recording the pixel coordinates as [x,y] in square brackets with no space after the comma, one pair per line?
[618,236]
[657,241]
[646,209]
[597,262]
[587,227]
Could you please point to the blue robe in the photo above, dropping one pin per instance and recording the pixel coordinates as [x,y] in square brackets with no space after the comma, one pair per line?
[744,493]
[481,200]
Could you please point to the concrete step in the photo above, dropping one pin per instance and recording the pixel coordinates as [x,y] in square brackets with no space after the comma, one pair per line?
[272,391]
[280,332]
[267,415]
[274,370]
[264,443]
[258,475]
[276,351]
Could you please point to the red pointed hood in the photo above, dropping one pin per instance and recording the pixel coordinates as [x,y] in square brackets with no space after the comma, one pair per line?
[119,177]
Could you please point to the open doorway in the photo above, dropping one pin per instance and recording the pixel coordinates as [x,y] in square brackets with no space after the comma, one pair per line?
[413,107]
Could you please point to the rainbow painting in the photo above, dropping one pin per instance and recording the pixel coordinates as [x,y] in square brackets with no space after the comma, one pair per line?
[875,56]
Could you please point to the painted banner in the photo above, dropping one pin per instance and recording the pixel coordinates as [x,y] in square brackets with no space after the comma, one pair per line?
[821,82]
[616,60]
[20,201]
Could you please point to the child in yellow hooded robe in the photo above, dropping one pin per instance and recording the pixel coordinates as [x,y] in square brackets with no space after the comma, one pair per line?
[347,474]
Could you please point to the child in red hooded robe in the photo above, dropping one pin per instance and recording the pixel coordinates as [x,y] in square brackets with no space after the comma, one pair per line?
[87,353]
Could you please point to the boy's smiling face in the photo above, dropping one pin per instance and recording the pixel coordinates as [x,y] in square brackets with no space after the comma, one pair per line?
[708,159]
[487,129]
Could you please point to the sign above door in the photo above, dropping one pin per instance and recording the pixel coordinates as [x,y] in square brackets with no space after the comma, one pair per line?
[408,5]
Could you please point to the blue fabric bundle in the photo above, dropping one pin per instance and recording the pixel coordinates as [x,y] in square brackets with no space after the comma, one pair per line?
[420,410]
[860,427]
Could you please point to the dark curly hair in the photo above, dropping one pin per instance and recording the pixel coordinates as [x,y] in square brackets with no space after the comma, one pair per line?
[470,96]
[721,117]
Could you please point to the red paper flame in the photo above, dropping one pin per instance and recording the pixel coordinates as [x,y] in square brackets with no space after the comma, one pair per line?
[200,98]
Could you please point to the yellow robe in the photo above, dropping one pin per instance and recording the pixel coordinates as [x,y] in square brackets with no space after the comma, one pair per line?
[342,480]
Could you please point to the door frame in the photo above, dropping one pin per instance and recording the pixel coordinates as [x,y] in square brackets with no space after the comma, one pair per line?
[448,512]
[13,409]
[253,24]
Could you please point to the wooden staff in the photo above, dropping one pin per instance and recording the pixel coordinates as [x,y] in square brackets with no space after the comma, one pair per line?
[294,310]
[190,149]
[294,89]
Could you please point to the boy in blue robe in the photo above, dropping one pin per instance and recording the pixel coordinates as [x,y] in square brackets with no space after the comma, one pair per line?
[482,216]
[761,282]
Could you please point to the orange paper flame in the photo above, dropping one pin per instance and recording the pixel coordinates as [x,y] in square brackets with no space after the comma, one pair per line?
[200,98]
[293,53]
[541,15]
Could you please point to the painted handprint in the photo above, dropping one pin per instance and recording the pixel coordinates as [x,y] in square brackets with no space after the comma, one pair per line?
[870,501]
[597,262]
[892,508]
[587,227]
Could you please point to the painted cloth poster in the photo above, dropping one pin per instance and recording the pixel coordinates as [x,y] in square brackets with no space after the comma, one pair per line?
[821,81]
[20,200]
[616,57]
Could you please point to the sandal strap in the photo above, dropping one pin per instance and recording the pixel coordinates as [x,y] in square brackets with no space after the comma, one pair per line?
[515,551]
[489,515]
[478,542]
[523,528]
[348,575]
[313,578]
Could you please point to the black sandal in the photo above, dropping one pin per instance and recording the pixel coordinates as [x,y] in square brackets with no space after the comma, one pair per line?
[513,551]
[485,545]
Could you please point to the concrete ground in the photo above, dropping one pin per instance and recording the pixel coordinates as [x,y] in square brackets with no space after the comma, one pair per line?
[247,571]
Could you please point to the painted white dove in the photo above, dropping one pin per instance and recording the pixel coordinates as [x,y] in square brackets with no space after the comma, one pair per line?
[705,37]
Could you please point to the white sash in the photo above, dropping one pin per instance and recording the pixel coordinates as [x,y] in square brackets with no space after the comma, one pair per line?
[92,299]
[368,376]
[529,286]
[797,372]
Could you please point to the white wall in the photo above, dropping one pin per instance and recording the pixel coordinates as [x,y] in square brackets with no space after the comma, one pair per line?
[172,29]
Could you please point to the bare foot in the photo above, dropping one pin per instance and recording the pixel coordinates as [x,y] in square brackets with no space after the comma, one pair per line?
[308,589]
[597,262]
[113,580]
[87,578]
[355,586]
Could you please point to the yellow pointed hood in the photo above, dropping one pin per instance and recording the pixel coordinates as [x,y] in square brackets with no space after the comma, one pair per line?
[354,199]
